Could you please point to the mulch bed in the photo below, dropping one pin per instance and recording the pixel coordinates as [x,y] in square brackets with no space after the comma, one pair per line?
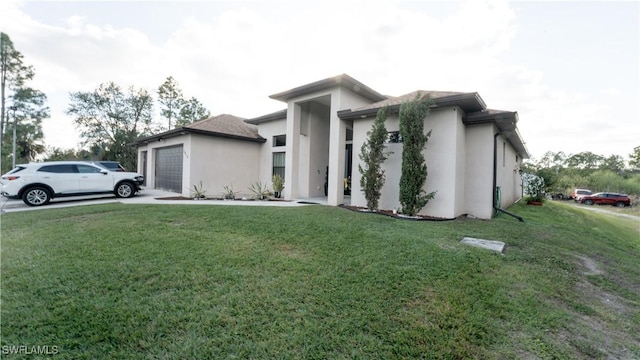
[396,216]
[189,198]
[359,209]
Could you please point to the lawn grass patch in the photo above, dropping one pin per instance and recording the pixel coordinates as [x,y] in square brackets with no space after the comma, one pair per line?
[141,281]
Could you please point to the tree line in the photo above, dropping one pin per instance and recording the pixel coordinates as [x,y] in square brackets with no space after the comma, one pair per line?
[562,173]
[108,118]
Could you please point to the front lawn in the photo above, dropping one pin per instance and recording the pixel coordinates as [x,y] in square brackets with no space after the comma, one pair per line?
[177,282]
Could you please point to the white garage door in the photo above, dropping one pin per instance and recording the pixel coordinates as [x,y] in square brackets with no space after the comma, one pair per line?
[169,168]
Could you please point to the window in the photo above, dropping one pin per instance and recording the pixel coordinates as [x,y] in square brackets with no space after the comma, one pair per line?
[504,153]
[59,169]
[86,169]
[349,135]
[393,137]
[280,140]
[278,163]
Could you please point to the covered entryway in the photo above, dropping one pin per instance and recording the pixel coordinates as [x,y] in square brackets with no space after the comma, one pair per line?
[168,174]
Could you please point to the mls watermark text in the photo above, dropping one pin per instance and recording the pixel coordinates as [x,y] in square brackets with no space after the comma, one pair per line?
[29,350]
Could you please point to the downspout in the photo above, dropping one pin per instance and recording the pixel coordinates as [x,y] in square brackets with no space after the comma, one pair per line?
[495,176]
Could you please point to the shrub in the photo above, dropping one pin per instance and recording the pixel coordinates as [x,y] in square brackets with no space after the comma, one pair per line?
[228,193]
[259,190]
[198,191]
[277,182]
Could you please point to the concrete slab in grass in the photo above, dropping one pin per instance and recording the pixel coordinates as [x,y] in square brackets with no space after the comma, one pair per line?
[492,245]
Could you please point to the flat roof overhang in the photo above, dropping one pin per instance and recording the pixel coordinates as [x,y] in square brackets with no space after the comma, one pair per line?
[469,102]
[342,80]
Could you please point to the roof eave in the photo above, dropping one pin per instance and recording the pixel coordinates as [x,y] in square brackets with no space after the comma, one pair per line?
[343,80]
[468,102]
[186,130]
[278,115]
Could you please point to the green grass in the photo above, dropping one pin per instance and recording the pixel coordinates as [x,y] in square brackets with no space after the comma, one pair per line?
[176,282]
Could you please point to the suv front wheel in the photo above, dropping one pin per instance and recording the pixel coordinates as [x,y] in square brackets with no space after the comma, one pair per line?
[125,190]
[36,196]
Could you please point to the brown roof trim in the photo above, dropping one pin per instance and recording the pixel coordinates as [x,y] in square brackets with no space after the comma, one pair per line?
[469,102]
[278,115]
[343,80]
[185,130]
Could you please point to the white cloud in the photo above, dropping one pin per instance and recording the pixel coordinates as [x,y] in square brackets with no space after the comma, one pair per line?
[232,59]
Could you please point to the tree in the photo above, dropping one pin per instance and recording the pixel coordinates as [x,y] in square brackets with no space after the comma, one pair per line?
[613,163]
[57,154]
[192,111]
[634,158]
[110,119]
[373,154]
[13,73]
[414,168]
[170,97]
[585,160]
[22,108]
[27,110]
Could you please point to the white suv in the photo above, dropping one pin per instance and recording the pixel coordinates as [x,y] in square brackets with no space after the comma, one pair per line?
[37,183]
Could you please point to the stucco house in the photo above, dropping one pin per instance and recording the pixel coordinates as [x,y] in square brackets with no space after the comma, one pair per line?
[474,153]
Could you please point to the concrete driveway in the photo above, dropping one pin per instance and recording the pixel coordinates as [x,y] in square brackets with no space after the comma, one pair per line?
[605,209]
[146,196]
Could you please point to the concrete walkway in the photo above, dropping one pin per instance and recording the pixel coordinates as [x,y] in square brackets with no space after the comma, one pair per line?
[148,196]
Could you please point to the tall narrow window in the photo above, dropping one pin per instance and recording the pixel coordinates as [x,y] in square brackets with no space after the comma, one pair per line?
[278,163]
[504,153]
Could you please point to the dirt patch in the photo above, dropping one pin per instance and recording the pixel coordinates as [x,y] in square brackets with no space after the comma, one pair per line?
[290,251]
[590,265]
[602,325]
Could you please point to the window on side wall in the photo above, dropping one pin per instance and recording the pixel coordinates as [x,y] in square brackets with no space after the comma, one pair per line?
[278,163]
[393,137]
[279,140]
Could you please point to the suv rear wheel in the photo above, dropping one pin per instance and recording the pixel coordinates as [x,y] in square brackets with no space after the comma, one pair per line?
[125,190]
[36,196]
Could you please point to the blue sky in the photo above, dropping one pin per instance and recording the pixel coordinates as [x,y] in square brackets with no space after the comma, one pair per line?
[570,69]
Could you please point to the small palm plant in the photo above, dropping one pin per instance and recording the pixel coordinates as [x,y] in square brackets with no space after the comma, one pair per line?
[278,185]
[259,190]
[198,191]
[229,193]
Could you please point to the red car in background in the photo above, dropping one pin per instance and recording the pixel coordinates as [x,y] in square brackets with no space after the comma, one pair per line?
[603,198]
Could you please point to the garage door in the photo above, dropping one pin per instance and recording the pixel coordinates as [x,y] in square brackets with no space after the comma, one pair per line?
[169,168]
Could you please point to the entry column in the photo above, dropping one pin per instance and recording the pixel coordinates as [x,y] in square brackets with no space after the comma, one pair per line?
[292,155]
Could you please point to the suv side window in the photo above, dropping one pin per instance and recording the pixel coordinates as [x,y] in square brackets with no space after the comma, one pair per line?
[59,169]
[16,169]
[86,169]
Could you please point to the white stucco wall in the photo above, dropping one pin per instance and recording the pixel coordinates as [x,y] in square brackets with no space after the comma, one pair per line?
[303,162]
[479,170]
[215,161]
[268,130]
[445,160]
[223,162]
[508,177]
